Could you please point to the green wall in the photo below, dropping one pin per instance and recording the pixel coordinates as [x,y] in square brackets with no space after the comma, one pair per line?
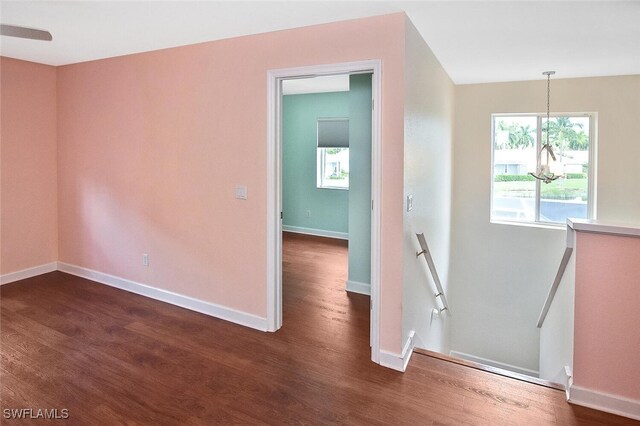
[332,210]
[359,180]
[329,207]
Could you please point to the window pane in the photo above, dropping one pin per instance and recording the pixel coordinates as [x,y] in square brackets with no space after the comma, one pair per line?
[333,168]
[567,196]
[514,156]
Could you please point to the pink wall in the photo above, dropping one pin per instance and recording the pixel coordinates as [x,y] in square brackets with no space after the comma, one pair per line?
[151,146]
[29,229]
[607,314]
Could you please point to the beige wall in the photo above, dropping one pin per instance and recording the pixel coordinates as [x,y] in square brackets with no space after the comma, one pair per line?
[500,274]
[428,136]
[29,228]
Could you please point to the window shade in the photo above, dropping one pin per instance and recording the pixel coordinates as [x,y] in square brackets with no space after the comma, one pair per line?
[333,133]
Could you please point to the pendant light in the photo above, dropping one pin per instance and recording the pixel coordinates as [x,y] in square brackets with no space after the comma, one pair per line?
[543,171]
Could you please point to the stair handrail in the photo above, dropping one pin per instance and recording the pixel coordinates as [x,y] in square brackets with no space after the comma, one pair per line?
[582,225]
[434,273]
[571,241]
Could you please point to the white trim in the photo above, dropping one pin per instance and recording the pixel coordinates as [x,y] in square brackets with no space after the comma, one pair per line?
[497,364]
[208,308]
[358,287]
[396,361]
[609,403]
[568,381]
[600,227]
[274,187]
[391,360]
[316,232]
[28,273]
[274,203]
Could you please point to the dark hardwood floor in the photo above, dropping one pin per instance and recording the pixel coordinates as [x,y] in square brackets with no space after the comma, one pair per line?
[112,357]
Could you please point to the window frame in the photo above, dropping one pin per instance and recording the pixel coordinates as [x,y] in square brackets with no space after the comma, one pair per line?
[591,173]
[320,163]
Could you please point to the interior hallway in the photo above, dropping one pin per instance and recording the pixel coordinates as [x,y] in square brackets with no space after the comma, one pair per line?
[110,356]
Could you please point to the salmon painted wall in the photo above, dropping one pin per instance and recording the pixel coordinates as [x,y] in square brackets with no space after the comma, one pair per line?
[151,146]
[29,212]
[607,314]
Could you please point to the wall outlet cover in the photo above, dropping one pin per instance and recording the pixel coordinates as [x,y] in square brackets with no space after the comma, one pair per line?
[241,192]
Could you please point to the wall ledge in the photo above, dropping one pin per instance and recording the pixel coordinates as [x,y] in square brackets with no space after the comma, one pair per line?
[609,403]
[601,227]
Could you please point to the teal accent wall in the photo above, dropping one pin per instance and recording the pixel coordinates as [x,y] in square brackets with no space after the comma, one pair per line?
[360,178]
[329,207]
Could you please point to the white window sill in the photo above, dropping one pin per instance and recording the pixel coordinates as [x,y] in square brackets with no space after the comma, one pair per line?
[558,227]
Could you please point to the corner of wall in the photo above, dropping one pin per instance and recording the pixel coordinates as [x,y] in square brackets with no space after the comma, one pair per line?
[57,172]
[428,172]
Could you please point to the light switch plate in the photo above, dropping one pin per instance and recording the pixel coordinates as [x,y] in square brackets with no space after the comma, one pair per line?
[409,203]
[241,192]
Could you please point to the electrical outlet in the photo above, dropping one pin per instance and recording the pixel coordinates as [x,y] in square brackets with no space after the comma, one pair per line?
[145,259]
[308,213]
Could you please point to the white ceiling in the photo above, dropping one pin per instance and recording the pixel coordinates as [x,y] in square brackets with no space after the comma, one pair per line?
[476,41]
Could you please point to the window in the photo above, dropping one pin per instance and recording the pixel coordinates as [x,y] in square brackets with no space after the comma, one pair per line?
[333,153]
[518,196]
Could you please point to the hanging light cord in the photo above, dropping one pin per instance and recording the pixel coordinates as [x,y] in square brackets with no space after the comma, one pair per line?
[549,148]
[543,174]
[548,106]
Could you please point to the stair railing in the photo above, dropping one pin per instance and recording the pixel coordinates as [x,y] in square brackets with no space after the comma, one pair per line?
[434,273]
[571,241]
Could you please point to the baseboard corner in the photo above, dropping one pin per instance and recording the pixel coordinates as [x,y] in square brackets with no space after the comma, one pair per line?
[400,361]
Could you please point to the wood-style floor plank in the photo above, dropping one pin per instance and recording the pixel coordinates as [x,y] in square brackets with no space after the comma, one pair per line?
[113,357]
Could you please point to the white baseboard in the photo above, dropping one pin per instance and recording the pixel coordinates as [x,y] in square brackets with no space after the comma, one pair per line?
[398,361]
[497,364]
[208,308]
[28,273]
[316,232]
[568,381]
[358,287]
[609,403]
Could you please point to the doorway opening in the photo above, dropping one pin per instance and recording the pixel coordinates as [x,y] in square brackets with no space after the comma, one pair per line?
[334,176]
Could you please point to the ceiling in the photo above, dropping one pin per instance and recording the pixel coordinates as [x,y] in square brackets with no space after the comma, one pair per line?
[319,84]
[476,41]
